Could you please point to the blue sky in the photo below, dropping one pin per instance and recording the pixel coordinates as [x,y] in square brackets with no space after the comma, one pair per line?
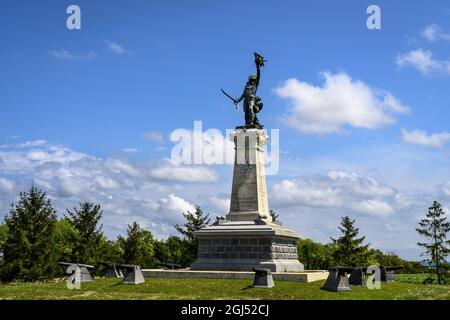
[86,114]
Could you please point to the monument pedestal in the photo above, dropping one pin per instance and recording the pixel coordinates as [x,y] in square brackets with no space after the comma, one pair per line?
[247,238]
[244,245]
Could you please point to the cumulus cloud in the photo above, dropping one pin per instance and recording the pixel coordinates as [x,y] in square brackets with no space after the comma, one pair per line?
[423,61]
[340,190]
[176,204]
[434,32]
[373,207]
[34,143]
[23,159]
[446,190]
[6,185]
[188,173]
[422,138]
[106,183]
[121,166]
[128,190]
[299,193]
[341,101]
[221,204]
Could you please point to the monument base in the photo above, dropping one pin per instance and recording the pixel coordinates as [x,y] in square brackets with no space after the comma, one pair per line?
[244,245]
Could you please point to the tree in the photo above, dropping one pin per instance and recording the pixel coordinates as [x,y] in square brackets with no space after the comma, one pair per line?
[138,247]
[111,250]
[64,236]
[172,250]
[349,248]
[194,222]
[391,259]
[3,236]
[28,252]
[274,215]
[86,221]
[435,227]
[314,255]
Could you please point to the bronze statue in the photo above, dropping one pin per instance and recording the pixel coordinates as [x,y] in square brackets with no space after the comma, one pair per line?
[252,103]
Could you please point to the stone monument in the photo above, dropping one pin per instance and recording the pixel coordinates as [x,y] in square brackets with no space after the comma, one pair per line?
[247,237]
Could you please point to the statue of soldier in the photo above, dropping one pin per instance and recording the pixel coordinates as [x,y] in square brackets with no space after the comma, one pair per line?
[252,103]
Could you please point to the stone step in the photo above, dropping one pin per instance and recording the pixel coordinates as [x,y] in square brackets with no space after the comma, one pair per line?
[305,276]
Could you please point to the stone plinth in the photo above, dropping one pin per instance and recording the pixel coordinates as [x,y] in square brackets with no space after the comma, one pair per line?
[248,193]
[244,245]
[247,238]
[303,276]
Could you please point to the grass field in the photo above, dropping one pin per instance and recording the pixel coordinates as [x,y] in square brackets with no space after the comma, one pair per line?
[219,289]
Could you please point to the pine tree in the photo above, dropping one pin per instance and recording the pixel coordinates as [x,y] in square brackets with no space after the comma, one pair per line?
[194,222]
[86,221]
[3,236]
[350,250]
[436,227]
[29,249]
[274,216]
[138,247]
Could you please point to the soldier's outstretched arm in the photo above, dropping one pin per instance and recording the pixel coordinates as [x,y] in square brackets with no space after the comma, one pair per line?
[258,74]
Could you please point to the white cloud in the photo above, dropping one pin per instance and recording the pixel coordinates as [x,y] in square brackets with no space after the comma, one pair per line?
[6,185]
[420,137]
[154,136]
[292,193]
[117,48]
[340,190]
[106,183]
[187,173]
[423,61]
[221,204]
[120,166]
[446,190]
[72,186]
[20,158]
[127,190]
[130,150]
[374,207]
[34,143]
[341,101]
[37,155]
[433,32]
[64,54]
[176,204]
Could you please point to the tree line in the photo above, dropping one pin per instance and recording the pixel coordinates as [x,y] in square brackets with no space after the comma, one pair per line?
[33,240]
[349,249]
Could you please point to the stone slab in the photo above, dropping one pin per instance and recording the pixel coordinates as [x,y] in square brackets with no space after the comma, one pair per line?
[249,192]
[305,276]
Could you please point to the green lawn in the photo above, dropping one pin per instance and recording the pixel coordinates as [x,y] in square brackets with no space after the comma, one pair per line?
[217,289]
